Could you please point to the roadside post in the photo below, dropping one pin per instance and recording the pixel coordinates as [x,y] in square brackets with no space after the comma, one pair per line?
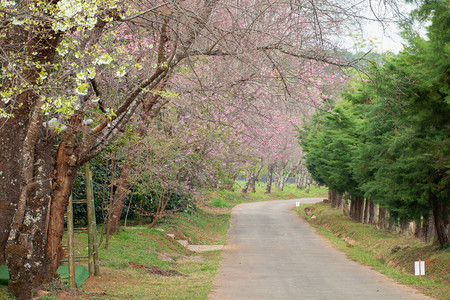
[419,268]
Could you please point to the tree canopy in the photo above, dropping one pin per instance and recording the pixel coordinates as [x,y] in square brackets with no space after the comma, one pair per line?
[396,150]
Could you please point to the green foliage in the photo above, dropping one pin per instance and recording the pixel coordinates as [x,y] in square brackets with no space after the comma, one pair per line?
[330,142]
[219,202]
[388,138]
[147,200]
[101,168]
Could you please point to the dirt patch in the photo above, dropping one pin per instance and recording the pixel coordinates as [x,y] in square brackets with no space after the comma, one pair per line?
[156,270]
[217,211]
[80,295]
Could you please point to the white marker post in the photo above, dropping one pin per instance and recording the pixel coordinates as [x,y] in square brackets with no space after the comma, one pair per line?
[419,268]
[297,203]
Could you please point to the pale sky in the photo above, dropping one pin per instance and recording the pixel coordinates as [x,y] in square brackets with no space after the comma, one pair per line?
[387,38]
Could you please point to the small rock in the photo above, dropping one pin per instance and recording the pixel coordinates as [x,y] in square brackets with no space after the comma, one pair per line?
[185,243]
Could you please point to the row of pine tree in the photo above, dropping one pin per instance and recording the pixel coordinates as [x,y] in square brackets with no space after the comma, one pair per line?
[385,142]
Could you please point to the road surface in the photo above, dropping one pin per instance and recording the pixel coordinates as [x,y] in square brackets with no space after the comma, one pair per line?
[271,253]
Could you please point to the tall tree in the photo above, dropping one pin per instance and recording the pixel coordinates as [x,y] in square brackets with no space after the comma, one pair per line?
[400,155]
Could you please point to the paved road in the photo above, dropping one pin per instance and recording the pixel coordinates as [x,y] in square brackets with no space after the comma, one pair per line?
[271,253]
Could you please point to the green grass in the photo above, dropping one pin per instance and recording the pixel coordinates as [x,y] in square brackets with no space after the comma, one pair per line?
[389,253]
[152,247]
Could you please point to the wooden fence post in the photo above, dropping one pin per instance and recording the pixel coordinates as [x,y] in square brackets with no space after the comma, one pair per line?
[92,225]
[70,228]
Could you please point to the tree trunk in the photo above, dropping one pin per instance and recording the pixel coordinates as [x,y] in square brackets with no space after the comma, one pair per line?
[418,232]
[346,210]
[26,249]
[366,212]
[285,178]
[252,186]
[269,179]
[413,228]
[250,175]
[26,162]
[331,198]
[124,182]
[33,250]
[372,213]
[352,209]
[276,181]
[335,199]
[67,165]
[282,183]
[279,175]
[441,222]
[11,180]
[360,209]
[305,180]
[391,224]
[428,228]
[163,200]
[307,184]
[299,178]
[122,188]
[382,214]
[357,209]
[339,202]
[404,227]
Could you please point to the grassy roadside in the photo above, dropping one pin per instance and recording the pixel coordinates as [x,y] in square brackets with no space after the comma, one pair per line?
[388,253]
[127,268]
[153,248]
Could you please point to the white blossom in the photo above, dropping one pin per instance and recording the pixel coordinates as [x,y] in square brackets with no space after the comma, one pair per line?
[120,73]
[104,59]
[6,3]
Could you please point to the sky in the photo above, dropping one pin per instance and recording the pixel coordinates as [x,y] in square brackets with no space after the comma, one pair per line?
[385,38]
